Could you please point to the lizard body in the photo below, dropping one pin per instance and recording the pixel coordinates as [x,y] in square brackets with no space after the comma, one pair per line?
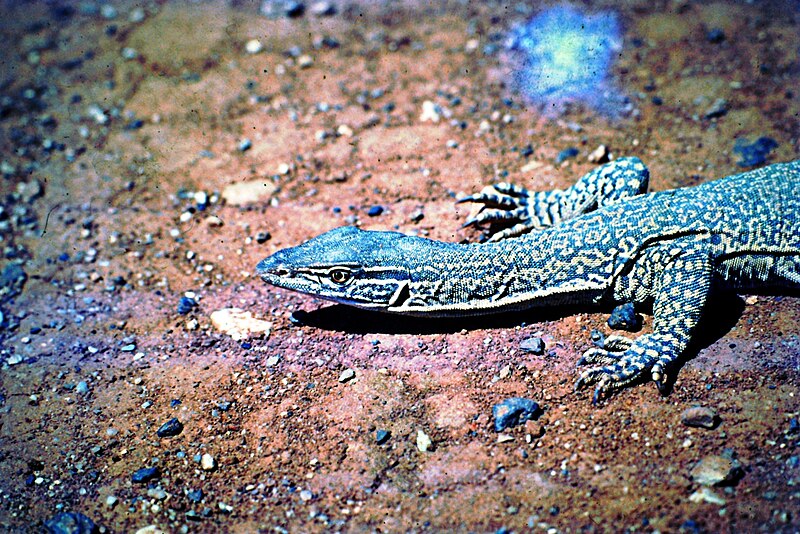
[601,241]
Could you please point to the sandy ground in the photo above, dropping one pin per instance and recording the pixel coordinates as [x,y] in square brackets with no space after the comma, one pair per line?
[114,116]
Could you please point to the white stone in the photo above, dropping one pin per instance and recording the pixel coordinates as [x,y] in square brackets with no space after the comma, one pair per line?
[207,462]
[239,324]
[242,193]
[253,46]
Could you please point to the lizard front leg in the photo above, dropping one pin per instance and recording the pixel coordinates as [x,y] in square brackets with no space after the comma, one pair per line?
[526,211]
[680,292]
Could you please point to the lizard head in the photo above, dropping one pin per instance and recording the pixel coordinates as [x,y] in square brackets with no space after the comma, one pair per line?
[346,265]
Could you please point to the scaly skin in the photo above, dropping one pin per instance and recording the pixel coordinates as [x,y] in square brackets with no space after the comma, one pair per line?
[601,241]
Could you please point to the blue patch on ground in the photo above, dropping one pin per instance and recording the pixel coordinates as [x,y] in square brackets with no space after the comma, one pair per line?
[564,54]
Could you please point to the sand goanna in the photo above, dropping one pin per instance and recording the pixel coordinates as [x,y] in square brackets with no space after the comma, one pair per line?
[602,241]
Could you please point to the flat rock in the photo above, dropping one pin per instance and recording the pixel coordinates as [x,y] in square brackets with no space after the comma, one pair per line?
[700,417]
[239,324]
[243,193]
[715,470]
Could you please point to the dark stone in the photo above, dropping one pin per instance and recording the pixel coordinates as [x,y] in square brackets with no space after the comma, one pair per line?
[718,109]
[794,426]
[374,211]
[171,428]
[514,411]
[754,153]
[186,305]
[262,237]
[382,436]
[294,9]
[624,317]
[534,345]
[526,151]
[12,280]
[195,495]
[145,474]
[566,154]
[70,523]
[715,35]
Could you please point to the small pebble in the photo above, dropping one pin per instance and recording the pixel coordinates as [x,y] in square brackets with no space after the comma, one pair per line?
[145,474]
[306,495]
[382,436]
[129,53]
[514,411]
[715,35]
[244,145]
[294,9]
[272,361]
[504,438]
[600,155]
[347,375]
[705,494]
[374,211]
[567,153]
[534,345]
[430,112]
[186,304]
[111,501]
[624,317]
[424,442]
[207,462]
[195,495]
[108,11]
[718,109]
[171,428]
[82,388]
[253,46]
[137,15]
[305,61]
[323,9]
[700,417]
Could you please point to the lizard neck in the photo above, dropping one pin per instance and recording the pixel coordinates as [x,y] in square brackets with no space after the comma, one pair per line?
[538,269]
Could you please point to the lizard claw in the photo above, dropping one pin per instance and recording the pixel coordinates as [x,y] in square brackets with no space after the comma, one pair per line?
[598,391]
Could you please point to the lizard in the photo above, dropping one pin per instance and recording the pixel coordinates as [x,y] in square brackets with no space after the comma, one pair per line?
[604,240]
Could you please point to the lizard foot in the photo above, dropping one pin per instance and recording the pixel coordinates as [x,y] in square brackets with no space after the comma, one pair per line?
[509,203]
[618,363]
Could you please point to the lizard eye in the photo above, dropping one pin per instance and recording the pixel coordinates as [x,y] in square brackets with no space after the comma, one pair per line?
[340,276]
